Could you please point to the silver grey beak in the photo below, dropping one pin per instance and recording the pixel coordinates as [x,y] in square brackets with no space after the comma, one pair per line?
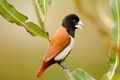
[79,25]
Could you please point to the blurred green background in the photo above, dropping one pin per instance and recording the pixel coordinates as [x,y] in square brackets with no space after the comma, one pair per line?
[21,53]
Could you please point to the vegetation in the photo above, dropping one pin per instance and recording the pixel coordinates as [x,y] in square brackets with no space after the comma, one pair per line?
[107,21]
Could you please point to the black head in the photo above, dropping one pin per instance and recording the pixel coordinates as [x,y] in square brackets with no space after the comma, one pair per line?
[69,22]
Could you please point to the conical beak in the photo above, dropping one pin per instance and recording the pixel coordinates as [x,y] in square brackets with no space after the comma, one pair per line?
[79,24]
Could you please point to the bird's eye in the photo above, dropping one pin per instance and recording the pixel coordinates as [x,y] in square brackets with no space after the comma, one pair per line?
[74,21]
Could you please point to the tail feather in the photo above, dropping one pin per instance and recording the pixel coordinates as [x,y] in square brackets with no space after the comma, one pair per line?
[43,67]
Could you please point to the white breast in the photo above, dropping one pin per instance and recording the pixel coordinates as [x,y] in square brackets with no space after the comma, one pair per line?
[65,52]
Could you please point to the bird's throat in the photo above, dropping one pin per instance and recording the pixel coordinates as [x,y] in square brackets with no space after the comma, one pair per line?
[71,32]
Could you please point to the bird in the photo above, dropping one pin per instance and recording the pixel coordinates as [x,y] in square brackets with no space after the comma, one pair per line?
[61,44]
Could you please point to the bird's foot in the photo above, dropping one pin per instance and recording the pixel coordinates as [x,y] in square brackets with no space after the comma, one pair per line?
[63,67]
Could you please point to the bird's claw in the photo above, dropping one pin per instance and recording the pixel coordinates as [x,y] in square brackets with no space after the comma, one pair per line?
[63,66]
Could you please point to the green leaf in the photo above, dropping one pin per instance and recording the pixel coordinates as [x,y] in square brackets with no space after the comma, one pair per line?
[113,63]
[44,5]
[80,74]
[13,16]
[33,27]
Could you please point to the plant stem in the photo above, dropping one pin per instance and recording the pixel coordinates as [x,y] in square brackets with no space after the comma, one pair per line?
[44,7]
[41,23]
[118,38]
[66,71]
[118,24]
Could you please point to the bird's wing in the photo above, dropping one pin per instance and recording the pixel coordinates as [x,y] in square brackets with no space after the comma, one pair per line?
[59,42]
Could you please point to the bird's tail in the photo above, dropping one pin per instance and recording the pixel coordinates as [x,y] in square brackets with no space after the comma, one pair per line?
[42,68]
